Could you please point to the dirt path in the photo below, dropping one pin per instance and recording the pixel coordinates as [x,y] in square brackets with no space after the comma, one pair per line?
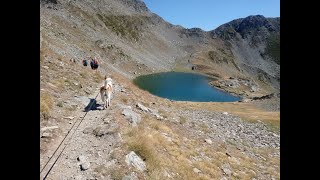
[94,140]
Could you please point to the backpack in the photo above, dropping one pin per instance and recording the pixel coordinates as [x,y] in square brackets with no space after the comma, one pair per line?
[85,62]
[95,64]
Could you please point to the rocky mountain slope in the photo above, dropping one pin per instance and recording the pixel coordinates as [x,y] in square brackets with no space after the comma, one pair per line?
[127,33]
[255,43]
[170,140]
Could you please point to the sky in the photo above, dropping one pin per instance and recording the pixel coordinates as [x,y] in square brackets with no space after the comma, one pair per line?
[210,14]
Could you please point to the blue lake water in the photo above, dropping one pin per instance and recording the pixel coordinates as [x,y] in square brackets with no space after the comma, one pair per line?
[181,86]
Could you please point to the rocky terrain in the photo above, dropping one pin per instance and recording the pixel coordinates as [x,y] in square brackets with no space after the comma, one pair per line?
[142,136]
[255,43]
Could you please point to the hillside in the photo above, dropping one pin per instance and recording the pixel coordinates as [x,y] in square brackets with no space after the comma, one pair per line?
[176,140]
[255,43]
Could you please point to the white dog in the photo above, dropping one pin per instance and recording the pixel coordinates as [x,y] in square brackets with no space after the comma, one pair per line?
[106,90]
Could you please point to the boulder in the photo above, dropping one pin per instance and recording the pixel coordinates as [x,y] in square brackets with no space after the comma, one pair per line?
[142,107]
[196,170]
[88,130]
[131,116]
[49,128]
[82,158]
[226,169]
[84,166]
[134,160]
[46,135]
[208,141]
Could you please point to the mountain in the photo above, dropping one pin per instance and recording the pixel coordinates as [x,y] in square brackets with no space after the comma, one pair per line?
[126,35]
[110,27]
[257,30]
[255,43]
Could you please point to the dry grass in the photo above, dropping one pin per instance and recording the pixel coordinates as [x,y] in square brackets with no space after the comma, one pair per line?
[124,100]
[116,173]
[43,51]
[204,128]
[146,142]
[41,56]
[125,26]
[60,104]
[164,113]
[245,167]
[142,143]
[273,167]
[222,66]
[157,125]
[46,104]
[162,155]
[182,120]
[84,75]
[242,166]
[60,83]
[68,82]
[177,157]
[98,77]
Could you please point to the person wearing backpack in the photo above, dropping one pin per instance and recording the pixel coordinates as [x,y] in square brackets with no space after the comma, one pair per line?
[85,62]
[95,62]
[92,64]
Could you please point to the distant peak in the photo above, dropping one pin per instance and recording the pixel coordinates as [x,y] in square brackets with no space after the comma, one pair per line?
[138,5]
[256,16]
[247,25]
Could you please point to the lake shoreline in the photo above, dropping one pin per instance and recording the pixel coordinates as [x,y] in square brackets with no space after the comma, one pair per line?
[183,86]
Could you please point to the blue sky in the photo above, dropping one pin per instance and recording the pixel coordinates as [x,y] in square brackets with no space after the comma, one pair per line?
[209,14]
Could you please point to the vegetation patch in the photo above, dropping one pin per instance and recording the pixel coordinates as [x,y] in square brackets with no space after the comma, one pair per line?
[125,26]
[46,104]
[273,48]
[222,56]
[204,128]
[172,157]
[60,104]
[164,113]
[142,144]
[116,173]
[124,100]
[98,77]
[41,56]
[182,119]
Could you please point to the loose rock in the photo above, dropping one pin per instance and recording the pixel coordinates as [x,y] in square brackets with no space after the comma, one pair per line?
[84,166]
[208,141]
[196,170]
[133,159]
[131,116]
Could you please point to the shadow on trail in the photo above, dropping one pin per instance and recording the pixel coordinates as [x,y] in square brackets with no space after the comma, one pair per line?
[92,106]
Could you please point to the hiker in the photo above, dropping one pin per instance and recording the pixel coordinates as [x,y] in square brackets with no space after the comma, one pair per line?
[85,62]
[91,64]
[94,64]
